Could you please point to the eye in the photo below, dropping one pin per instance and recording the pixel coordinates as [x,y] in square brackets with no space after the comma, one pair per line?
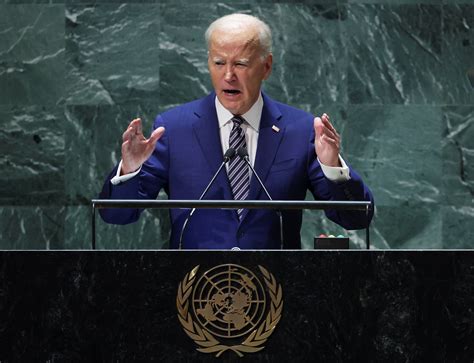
[219,63]
[241,64]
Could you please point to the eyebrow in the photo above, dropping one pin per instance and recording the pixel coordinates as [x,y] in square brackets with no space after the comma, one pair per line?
[221,59]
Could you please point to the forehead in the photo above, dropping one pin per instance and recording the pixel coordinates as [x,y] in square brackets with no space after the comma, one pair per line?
[234,41]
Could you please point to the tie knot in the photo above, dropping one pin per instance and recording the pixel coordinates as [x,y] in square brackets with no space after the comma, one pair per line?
[237,120]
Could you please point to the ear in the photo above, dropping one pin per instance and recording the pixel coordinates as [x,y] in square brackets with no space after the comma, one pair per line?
[267,63]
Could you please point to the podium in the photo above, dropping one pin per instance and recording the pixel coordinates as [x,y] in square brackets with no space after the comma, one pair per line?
[277,205]
[345,306]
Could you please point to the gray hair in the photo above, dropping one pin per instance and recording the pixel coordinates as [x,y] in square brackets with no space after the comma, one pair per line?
[237,20]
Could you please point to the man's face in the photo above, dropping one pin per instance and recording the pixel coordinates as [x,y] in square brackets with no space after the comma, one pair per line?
[237,69]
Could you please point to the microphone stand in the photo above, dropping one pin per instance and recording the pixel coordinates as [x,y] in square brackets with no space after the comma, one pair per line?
[242,152]
[229,155]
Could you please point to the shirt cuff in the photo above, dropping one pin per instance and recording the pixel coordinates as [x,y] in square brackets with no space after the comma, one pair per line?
[336,173]
[117,179]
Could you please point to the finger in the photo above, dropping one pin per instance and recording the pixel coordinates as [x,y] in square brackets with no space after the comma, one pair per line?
[327,122]
[156,135]
[127,135]
[330,140]
[125,143]
[318,126]
[326,116]
[131,129]
[136,125]
[323,122]
[330,133]
[322,127]
[139,129]
[329,127]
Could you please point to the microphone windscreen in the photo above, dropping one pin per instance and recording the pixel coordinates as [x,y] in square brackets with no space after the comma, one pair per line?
[242,152]
[229,154]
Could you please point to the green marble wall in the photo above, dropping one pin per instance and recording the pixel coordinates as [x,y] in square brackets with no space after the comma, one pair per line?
[393,75]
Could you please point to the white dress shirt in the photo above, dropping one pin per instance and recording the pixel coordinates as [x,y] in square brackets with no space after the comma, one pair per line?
[251,126]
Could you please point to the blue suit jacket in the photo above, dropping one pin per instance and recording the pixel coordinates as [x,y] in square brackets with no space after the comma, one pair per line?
[190,152]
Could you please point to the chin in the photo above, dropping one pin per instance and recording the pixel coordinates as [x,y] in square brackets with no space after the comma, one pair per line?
[234,109]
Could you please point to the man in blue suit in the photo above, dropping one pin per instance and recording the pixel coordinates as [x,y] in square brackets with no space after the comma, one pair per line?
[291,151]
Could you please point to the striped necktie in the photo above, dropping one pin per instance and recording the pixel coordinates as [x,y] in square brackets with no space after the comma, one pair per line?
[239,176]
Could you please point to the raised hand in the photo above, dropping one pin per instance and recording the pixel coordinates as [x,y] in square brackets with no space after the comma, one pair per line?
[135,147]
[328,141]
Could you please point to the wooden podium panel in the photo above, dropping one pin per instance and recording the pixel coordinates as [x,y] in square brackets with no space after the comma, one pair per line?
[62,306]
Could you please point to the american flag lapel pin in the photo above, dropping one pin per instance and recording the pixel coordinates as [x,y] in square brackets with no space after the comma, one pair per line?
[276,129]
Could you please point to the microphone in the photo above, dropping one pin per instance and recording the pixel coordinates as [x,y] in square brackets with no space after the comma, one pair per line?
[243,154]
[228,156]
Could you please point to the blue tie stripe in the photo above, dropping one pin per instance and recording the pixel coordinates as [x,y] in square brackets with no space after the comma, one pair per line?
[236,169]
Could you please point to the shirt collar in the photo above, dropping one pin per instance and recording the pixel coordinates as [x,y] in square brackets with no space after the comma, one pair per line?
[252,116]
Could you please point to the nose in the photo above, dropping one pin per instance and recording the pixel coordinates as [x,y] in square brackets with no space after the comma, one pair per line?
[229,74]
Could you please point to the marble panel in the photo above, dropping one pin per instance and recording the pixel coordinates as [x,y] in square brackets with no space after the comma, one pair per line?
[394,54]
[31,156]
[458,155]
[31,54]
[298,2]
[105,2]
[31,228]
[458,54]
[112,53]
[183,53]
[309,58]
[42,2]
[396,2]
[457,227]
[397,150]
[93,142]
[407,226]
[151,231]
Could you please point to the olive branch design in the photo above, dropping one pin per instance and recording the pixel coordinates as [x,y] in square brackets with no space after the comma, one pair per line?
[207,342]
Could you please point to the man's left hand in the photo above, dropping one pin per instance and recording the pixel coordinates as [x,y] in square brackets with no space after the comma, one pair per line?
[328,141]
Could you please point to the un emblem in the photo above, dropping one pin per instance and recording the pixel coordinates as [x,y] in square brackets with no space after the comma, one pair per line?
[229,308]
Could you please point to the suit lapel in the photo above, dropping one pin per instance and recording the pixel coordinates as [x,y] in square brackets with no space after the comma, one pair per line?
[206,131]
[268,143]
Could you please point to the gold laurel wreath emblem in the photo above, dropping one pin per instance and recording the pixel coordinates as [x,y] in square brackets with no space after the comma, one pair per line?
[208,343]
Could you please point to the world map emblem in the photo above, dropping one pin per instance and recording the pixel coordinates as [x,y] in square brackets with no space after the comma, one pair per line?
[229,308]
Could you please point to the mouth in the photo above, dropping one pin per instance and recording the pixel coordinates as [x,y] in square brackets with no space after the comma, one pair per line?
[232,92]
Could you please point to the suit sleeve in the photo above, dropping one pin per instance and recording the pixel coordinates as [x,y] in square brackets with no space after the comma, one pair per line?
[152,177]
[353,189]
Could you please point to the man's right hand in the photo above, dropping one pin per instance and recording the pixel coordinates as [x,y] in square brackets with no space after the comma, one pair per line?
[136,149]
